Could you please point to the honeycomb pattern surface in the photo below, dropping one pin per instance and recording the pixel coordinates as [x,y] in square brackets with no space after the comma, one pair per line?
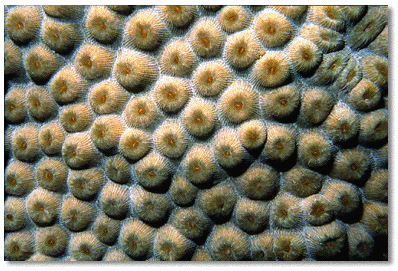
[196,133]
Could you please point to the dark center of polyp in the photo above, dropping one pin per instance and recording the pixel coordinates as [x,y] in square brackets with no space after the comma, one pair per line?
[141,110]
[383,221]
[317,210]
[271,30]
[238,105]
[286,246]
[126,70]
[63,87]
[176,59]
[344,128]
[283,213]
[23,145]
[171,142]
[15,248]
[49,176]
[134,144]
[102,25]
[250,218]
[279,146]
[345,200]
[9,217]
[306,55]
[144,32]
[19,25]
[354,167]
[241,50]
[88,63]
[198,119]
[85,250]
[283,101]
[103,99]
[170,94]
[177,9]
[37,64]
[220,203]
[13,182]
[51,241]
[206,41]
[315,152]
[379,127]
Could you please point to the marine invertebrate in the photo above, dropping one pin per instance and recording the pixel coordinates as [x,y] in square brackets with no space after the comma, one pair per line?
[199,117]
[170,139]
[15,217]
[238,102]
[153,171]
[93,61]
[234,18]
[114,200]
[206,37]
[22,23]
[145,30]
[196,133]
[85,247]
[85,184]
[42,206]
[181,191]
[102,24]
[107,97]
[242,49]
[140,112]
[51,174]
[170,244]
[134,144]
[171,93]
[77,215]
[67,85]
[61,37]
[51,137]
[281,102]
[136,238]
[210,78]
[224,247]
[271,70]
[178,16]
[251,216]
[52,241]
[218,202]
[133,69]
[191,222]
[177,58]
[272,28]
[252,134]
[39,104]
[14,105]
[199,164]
[76,117]
[41,63]
[259,182]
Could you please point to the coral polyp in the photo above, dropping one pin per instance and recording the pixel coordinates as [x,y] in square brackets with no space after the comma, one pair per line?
[154,133]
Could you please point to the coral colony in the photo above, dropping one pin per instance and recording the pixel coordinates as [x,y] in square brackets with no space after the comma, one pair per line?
[196,133]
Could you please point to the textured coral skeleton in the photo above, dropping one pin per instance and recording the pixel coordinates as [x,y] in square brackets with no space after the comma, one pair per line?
[196,133]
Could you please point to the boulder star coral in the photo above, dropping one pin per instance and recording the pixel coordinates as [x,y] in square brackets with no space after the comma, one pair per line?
[196,133]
